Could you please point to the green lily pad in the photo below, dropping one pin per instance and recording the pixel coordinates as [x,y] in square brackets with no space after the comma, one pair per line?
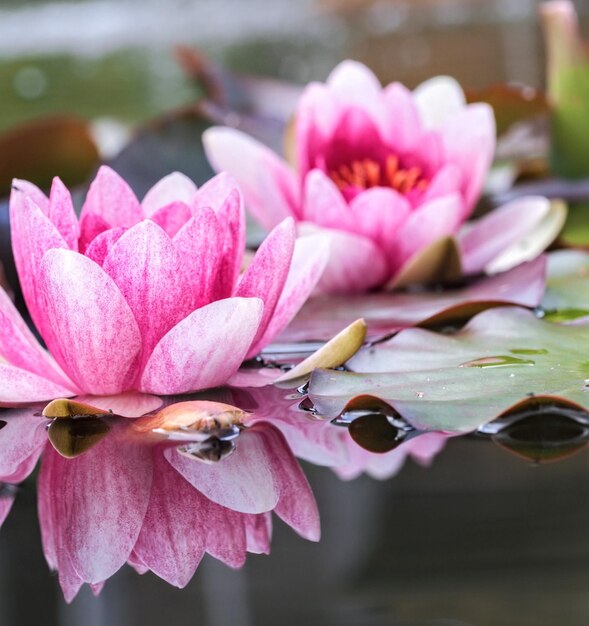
[458,382]
[567,292]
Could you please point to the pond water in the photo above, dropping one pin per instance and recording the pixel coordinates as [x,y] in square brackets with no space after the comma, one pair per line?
[482,536]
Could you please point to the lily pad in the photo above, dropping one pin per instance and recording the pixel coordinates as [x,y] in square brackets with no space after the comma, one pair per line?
[567,290]
[456,383]
[385,313]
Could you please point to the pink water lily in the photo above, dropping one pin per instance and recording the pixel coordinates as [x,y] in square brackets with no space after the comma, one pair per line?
[143,296]
[385,171]
[127,500]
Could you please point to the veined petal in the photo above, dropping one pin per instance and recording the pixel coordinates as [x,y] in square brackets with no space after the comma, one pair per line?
[324,204]
[20,348]
[92,226]
[18,386]
[296,505]
[258,532]
[204,349]
[94,335]
[267,274]
[127,404]
[214,193]
[268,184]
[200,245]
[21,442]
[469,142]
[226,535]
[61,212]
[27,189]
[32,235]
[173,534]
[437,100]
[112,199]
[101,244]
[171,217]
[175,187]
[309,259]
[99,501]
[231,217]
[244,481]
[147,268]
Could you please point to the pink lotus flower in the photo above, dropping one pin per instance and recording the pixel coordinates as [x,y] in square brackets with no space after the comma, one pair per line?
[391,176]
[386,171]
[143,296]
[128,500]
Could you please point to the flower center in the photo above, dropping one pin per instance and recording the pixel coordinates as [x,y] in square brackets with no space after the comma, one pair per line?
[366,173]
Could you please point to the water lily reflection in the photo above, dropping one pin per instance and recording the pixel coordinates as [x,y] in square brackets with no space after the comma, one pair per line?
[132,497]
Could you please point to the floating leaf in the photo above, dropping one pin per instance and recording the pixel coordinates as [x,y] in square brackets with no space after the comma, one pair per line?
[385,313]
[64,408]
[333,354]
[457,382]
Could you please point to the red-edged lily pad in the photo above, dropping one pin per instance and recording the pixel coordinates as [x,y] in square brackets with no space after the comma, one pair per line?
[456,383]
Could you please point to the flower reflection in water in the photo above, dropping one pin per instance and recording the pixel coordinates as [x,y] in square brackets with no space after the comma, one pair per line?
[134,497]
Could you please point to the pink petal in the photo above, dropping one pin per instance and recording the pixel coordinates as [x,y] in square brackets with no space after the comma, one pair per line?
[446,181]
[111,198]
[21,442]
[214,193]
[469,141]
[175,187]
[172,217]
[268,184]
[61,212]
[95,505]
[173,535]
[101,244]
[379,214]
[19,346]
[296,505]
[231,217]
[147,268]
[128,404]
[244,481]
[18,386]
[24,189]
[32,235]
[403,125]
[258,532]
[355,263]
[200,245]
[204,349]
[431,221]
[437,100]
[317,114]
[484,239]
[324,204]
[5,506]
[267,274]
[94,335]
[226,535]
[91,226]
[309,259]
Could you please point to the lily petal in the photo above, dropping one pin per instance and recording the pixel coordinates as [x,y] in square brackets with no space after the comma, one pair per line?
[22,440]
[18,386]
[111,198]
[147,268]
[268,184]
[61,212]
[94,335]
[244,481]
[379,213]
[324,204]
[193,355]
[171,217]
[175,187]
[437,100]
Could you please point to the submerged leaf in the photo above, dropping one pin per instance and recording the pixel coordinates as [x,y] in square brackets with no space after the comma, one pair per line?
[64,408]
[71,437]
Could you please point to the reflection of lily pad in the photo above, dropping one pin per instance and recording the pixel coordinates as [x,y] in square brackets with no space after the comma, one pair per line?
[458,382]
[385,313]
